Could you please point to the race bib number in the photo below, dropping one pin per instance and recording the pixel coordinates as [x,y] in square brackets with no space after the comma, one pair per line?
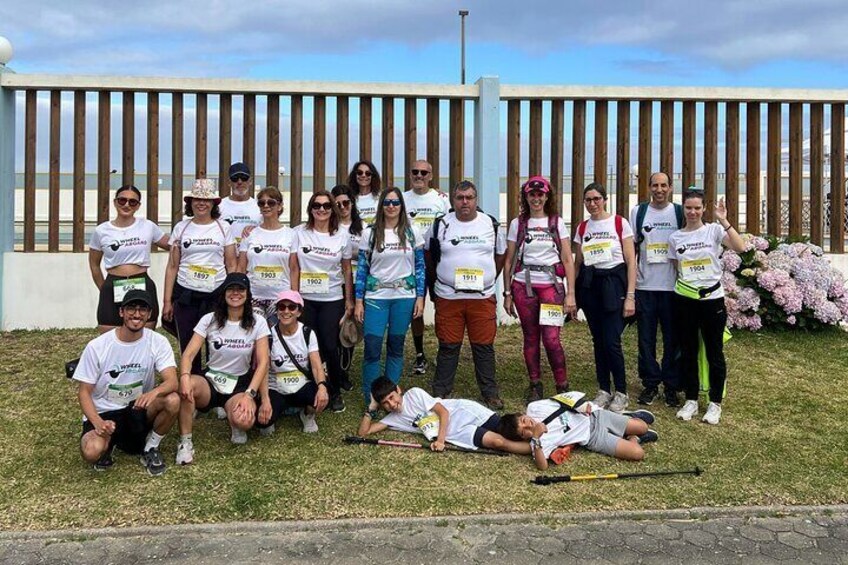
[224,383]
[429,426]
[596,253]
[314,283]
[202,278]
[697,269]
[468,279]
[423,222]
[551,315]
[123,286]
[124,394]
[268,275]
[657,252]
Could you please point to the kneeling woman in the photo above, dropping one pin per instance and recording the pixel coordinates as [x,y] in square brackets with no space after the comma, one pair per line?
[297,376]
[233,335]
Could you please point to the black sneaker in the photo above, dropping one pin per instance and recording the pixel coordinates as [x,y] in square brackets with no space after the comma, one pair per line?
[671,399]
[420,366]
[562,388]
[535,392]
[105,463]
[649,437]
[494,403]
[345,384]
[337,404]
[643,415]
[648,395]
[153,462]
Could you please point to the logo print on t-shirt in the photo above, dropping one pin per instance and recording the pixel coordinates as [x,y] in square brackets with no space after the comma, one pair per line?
[413,214]
[230,220]
[278,361]
[681,249]
[587,237]
[258,248]
[455,241]
[306,248]
[187,243]
[116,372]
[647,229]
[115,245]
[217,343]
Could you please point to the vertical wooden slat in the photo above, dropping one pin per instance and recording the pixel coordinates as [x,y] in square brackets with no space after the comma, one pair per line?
[225,143]
[200,137]
[128,139]
[796,140]
[296,160]
[79,171]
[513,157]
[342,139]
[457,140]
[176,157]
[557,152]
[104,149]
[30,136]
[410,135]
[578,161]
[837,178]
[433,138]
[710,157]
[731,160]
[688,143]
[153,156]
[752,169]
[272,143]
[535,138]
[816,160]
[319,143]
[249,133]
[601,137]
[667,139]
[775,125]
[622,159]
[55,146]
[646,111]
[365,125]
[388,141]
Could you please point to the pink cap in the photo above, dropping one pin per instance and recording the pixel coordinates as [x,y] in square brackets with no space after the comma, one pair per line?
[291,296]
[537,182]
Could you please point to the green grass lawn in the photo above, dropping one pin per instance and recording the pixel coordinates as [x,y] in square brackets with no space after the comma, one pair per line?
[781,441]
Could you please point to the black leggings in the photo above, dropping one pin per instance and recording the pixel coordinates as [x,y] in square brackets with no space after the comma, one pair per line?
[324,318]
[189,307]
[709,317]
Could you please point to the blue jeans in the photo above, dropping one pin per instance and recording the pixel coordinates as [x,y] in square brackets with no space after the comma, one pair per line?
[655,308]
[394,314]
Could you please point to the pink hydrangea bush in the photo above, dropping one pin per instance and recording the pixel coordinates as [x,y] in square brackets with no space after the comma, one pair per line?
[785,284]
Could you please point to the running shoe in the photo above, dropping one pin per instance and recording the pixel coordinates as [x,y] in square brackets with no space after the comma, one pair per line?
[649,437]
[266,432]
[713,414]
[643,415]
[153,462]
[619,402]
[337,404]
[648,395]
[535,391]
[603,398]
[310,426]
[238,436]
[185,453]
[690,408]
[105,462]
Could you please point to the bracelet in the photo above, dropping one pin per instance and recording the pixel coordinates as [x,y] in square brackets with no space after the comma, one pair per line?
[630,295]
[728,228]
[507,293]
[323,383]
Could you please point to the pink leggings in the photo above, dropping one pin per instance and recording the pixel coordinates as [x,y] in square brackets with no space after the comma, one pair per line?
[528,312]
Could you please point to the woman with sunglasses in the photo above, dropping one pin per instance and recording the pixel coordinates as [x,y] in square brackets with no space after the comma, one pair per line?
[539,265]
[365,180]
[320,271]
[123,245]
[389,287]
[203,251]
[264,253]
[606,290]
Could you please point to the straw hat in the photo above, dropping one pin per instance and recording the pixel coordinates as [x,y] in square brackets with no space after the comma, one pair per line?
[204,189]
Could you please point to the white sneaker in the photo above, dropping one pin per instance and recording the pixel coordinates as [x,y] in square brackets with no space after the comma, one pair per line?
[237,436]
[619,402]
[713,414]
[220,413]
[690,408]
[310,426]
[603,398]
[266,432]
[185,453]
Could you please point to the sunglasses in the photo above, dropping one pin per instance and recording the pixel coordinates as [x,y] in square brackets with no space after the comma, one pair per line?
[465,197]
[391,202]
[122,201]
[325,205]
[343,203]
[270,202]
[290,306]
[236,178]
[420,172]
[536,184]
[361,173]
[591,199]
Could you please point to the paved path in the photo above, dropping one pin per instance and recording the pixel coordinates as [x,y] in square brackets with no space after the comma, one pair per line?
[749,535]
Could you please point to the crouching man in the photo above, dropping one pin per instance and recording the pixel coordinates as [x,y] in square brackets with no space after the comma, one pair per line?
[121,404]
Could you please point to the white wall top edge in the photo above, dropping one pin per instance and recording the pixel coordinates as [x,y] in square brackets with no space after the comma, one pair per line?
[674,93]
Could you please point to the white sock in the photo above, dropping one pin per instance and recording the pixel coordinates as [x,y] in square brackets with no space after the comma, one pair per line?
[186,438]
[153,440]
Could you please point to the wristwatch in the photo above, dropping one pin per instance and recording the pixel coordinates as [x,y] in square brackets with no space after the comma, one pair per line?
[251,393]
[507,293]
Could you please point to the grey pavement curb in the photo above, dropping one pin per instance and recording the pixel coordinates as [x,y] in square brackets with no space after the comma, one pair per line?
[697,513]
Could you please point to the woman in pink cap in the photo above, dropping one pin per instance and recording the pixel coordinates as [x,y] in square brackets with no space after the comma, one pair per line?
[539,276]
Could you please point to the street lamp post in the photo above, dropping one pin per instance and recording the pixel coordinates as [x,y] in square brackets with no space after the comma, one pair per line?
[462,14]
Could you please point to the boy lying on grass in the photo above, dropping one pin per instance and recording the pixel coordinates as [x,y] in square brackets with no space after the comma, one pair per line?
[463,423]
[568,418]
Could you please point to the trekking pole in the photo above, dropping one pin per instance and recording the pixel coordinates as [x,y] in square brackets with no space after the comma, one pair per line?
[413,445]
[543,480]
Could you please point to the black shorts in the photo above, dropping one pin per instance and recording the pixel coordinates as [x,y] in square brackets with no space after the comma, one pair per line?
[107,308]
[304,397]
[217,399]
[131,429]
[490,425]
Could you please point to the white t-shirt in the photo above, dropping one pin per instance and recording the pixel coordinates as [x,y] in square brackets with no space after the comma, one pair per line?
[465,416]
[539,247]
[567,428]
[125,246]
[367,206]
[697,254]
[239,215]
[392,263]
[600,244]
[354,248]
[284,377]
[122,371]
[423,208]
[268,261]
[468,257]
[231,347]
[320,257]
[201,253]
[655,272]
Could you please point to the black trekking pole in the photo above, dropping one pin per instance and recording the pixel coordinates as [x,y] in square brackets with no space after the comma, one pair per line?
[414,445]
[543,480]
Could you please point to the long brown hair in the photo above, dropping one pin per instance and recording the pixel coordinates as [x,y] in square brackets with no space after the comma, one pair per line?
[379,228]
[524,207]
[375,177]
[334,212]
